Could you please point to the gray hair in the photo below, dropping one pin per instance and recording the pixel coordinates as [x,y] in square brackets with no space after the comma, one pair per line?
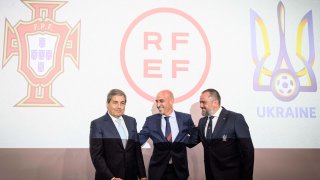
[116,92]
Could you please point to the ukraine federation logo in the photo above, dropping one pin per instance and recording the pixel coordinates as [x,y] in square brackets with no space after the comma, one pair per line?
[290,75]
[41,45]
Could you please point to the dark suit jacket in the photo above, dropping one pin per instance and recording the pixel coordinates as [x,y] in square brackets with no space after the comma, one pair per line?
[164,150]
[108,155]
[230,154]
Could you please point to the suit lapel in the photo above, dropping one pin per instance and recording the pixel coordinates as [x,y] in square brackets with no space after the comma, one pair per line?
[111,127]
[180,126]
[128,125]
[158,127]
[202,125]
[220,122]
[129,128]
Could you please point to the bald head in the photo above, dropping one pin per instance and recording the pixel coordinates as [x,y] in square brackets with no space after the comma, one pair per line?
[164,102]
[166,93]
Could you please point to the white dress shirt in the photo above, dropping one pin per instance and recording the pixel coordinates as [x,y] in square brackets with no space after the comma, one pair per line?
[123,124]
[173,125]
[214,120]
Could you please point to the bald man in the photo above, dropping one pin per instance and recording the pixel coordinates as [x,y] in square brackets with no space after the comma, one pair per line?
[171,132]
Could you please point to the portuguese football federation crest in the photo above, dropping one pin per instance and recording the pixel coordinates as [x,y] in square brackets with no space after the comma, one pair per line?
[41,45]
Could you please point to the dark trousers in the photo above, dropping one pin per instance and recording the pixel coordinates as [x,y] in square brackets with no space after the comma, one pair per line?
[170,173]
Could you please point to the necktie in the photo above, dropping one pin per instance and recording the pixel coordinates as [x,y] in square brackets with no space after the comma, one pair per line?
[209,128]
[121,131]
[168,133]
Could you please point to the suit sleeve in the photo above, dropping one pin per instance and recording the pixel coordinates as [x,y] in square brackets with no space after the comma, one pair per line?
[96,151]
[141,168]
[246,148]
[193,134]
[144,133]
[199,129]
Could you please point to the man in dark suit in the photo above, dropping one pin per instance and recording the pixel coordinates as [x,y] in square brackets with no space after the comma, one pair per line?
[225,136]
[170,132]
[114,146]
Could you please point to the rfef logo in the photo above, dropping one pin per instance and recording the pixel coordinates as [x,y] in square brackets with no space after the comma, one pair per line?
[41,44]
[166,48]
[290,75]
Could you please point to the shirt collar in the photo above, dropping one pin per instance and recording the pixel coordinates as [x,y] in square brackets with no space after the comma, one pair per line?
[217,114]
[114,118]
[173,114]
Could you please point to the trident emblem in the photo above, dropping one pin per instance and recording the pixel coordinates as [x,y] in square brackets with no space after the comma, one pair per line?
[286,79]
[41,44]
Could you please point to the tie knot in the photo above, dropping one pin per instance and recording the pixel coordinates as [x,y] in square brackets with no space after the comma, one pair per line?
[211,117]
[118,120]
[167,118]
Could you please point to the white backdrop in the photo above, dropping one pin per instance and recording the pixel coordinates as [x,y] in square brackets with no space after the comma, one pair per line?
[215,45]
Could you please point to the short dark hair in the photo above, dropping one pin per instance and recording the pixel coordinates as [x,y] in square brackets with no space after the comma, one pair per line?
[214,94]
[116,92]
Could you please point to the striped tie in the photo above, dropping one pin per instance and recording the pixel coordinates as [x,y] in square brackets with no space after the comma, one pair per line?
[168,133]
